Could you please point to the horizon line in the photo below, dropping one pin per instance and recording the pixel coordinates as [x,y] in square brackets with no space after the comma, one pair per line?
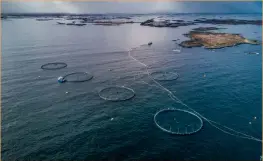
[64,13]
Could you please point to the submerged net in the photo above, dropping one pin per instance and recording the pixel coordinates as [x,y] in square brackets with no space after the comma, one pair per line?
[77,77]
[54,66]
[164,76]
[116,93]
[179,122]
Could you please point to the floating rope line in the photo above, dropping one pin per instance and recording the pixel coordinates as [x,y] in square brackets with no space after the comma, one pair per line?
[217,125]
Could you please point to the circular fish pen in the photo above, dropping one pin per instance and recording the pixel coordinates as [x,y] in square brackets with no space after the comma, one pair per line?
[164,76]
[116,93]
[53,66]
[77,77]
[178,122]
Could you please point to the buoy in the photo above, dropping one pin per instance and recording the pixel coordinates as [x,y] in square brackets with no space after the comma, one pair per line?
[255,117]
[250,123]
[61,79]
[150,43]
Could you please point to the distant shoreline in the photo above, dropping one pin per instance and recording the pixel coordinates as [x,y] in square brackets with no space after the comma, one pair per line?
[93,14]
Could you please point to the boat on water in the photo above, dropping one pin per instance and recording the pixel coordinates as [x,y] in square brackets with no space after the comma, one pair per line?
[61,79]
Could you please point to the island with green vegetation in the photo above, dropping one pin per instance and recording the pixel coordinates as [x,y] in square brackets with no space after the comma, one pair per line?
[211,40]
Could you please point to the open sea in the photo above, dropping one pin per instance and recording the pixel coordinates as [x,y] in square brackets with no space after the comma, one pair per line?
[40,121]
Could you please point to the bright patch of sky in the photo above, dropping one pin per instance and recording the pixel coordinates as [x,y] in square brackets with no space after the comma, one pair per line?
[131,7]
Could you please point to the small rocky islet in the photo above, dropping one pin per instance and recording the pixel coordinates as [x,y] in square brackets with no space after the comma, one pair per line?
[111,22]
[166,23]
[229,21]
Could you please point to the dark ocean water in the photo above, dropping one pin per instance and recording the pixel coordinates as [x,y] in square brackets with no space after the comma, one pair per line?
[41,122]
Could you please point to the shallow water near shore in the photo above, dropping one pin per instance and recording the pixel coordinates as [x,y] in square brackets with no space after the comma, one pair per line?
[41,122]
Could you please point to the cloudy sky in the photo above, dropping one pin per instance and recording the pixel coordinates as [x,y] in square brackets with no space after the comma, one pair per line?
[131,7]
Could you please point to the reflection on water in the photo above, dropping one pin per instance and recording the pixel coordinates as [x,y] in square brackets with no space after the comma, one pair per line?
[41,121]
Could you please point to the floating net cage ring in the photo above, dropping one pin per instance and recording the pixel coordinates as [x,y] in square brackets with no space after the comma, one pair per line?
[54,66]
[164,76]
[77,77]
[179,132]
[116,93]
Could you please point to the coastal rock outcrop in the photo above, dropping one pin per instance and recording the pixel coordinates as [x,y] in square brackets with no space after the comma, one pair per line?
[229,21]
[206,28]
[176,23]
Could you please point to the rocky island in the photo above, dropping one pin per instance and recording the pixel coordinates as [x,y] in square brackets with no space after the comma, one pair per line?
[176,23]
[165,23]
[212,40]
[111,22]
